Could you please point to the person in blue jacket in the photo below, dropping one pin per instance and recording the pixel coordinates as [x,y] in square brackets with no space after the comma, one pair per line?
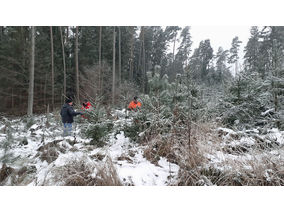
[67,113]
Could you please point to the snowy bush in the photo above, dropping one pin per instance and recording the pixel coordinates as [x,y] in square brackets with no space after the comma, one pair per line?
[252,101]
[98,133]
[29,122]
[7,144]
[82,172]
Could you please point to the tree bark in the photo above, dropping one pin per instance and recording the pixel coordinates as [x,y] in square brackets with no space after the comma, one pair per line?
[173,71]
[131,56]
[77,68]
[144,61]
[141,54]
[64,65]
[1,33]
[12,98]
[44,90]
[31,79]
[119,57]
[52,69]
[113,68]
[174,48]
[100,62]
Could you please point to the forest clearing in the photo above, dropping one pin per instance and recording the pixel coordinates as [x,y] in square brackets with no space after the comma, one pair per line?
[148,110]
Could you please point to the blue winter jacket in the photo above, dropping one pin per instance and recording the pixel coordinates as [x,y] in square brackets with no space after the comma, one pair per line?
[67,113]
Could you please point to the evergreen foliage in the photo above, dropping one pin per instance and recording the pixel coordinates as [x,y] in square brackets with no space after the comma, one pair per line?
[168,106]
[255,97]
[97,127]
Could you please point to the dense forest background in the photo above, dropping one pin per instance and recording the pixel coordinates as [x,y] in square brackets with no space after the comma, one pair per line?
[110,65]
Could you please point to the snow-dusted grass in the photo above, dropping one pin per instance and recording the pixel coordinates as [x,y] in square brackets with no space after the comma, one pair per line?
[73,161]
[238,158]
[216,156]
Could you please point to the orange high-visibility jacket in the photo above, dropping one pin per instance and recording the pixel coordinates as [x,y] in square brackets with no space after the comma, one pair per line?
[132,105]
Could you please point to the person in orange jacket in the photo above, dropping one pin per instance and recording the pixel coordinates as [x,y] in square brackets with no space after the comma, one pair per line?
[134,104]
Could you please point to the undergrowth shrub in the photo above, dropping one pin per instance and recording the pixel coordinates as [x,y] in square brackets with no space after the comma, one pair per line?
[96,126]
[83,172]
[29,122]
[99,133]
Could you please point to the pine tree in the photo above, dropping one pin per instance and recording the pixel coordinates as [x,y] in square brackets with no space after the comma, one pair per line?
[185,45]
[222,71]
[200,60]
[252,51]
[234,53]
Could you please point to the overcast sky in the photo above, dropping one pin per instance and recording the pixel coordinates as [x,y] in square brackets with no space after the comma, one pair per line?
[220,36]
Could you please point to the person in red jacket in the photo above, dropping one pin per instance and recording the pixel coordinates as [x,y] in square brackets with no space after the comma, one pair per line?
[134,104]
[86,106]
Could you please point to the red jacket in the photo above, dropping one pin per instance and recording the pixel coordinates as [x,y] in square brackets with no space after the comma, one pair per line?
[88,106]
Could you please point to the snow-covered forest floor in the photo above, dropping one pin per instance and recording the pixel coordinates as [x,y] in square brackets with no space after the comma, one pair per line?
[33,152]
[36,154]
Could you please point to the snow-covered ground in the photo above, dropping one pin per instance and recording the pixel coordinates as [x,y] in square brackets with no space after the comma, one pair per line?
[249,152]
[46,150]
[39,155]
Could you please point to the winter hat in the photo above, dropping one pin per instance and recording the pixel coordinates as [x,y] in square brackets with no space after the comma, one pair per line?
[69,100]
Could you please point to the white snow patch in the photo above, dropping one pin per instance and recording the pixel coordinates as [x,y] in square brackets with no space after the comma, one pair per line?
[145,173]
[34,126]
[266,112]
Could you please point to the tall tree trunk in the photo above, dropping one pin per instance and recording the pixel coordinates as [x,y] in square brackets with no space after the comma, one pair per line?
[100,62]
[140,61]
[119,56]
[23,47]
[12,98]
[1,33]
[236,68]
[77,68]
[131,56]
[139,69]
[174,48]
[113,68]
[31,79]
[144,61]
[64,65]
[52,69]
[68,61]
[44,91]
[173,71]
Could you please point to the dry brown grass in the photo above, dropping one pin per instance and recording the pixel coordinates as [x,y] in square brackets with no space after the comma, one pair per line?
[5,172]
[235,166]
[159,147]
[107,175]
[253,166]
[50,151]
[176,148]
[84,173]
